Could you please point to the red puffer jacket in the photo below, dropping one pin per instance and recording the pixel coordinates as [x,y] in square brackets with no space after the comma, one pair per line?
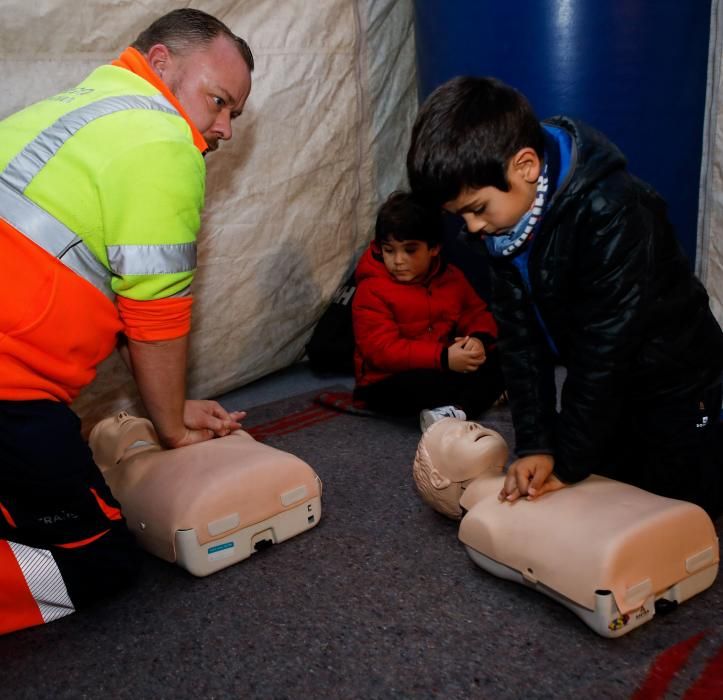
[400,327]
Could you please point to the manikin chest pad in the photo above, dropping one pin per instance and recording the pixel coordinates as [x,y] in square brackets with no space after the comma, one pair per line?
[207,505]
[605,549]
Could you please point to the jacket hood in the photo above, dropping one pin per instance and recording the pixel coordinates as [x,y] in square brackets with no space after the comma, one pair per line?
[370,266]
[594,156]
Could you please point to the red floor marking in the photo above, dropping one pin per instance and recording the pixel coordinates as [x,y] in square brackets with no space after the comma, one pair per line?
[262,435]
[709,685]
[288,420]
[289,424]
[293,417]
[665,666]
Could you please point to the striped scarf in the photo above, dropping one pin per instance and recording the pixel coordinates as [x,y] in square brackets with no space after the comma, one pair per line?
[511,242]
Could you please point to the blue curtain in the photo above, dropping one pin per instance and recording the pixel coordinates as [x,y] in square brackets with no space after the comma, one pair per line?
[635,69]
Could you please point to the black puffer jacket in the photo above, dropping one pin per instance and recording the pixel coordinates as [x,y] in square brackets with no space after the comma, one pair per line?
[630,321]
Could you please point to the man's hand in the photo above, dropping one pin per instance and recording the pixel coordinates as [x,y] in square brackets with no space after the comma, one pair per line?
[530,476]
[205,420]
[466,354]
[211,416]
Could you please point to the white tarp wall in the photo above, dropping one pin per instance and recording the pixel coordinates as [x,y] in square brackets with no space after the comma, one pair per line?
[291,199]
[710,240]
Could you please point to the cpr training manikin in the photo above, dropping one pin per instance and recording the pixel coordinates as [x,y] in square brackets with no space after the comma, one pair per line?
[207,505]
[611,552]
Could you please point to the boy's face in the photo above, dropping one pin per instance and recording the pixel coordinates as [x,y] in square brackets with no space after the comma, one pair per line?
[408,261]
[491,212]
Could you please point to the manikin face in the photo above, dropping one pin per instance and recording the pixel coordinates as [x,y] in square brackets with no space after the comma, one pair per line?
[118,437]
[462,450]
[490,212]
[408,261]
[211,83]
[452,453]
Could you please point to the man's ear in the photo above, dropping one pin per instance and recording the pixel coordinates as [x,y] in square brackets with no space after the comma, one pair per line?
[158,58]
[526,163]
[438,481]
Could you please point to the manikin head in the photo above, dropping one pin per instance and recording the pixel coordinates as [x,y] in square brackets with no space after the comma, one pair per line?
[450,454]
[204,64]
[115,438]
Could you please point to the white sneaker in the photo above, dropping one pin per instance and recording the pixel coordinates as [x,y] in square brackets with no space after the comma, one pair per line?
[432,415]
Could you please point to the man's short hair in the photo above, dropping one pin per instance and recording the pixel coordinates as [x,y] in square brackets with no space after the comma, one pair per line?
[464,136]
[403,218]
[186,29]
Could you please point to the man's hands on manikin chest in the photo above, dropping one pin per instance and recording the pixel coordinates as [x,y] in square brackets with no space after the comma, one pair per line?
[159,368]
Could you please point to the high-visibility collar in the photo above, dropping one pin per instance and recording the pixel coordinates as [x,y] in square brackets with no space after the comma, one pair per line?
[133,60]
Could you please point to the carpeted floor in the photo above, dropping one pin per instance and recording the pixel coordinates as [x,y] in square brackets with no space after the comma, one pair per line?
[379,600]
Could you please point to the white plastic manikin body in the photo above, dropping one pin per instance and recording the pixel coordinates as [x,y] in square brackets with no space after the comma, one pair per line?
[207,505]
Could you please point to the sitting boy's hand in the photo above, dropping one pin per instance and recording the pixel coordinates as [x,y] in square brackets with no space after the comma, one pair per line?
[466,354]
[530,476]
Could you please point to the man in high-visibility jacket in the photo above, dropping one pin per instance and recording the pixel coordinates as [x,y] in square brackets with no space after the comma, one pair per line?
[101,189]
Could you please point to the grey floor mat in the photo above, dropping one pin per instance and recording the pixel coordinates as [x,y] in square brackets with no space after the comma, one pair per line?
[378,601]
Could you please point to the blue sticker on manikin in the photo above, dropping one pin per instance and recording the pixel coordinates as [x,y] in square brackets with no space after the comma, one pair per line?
[219,547]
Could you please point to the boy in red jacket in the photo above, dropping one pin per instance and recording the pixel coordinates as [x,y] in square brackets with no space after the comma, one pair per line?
[424,339]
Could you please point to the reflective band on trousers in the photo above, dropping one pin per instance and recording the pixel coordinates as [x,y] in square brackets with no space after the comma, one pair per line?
[44,581]
[54,236]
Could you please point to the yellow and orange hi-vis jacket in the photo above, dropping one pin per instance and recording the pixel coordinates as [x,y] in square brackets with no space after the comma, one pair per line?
[101,192]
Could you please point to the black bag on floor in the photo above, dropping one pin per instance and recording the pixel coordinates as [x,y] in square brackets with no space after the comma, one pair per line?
[331,346]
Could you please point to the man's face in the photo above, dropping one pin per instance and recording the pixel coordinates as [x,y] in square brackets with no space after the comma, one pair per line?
[212,85]
[491,212]
[408,261]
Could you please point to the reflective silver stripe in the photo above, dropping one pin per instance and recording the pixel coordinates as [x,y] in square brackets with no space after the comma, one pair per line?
[152,259]
[79,259]
[36,223]
[30,161]
[54,237]
[44,581]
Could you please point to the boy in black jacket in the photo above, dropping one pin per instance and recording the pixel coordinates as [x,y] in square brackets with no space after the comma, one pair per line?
[586,274]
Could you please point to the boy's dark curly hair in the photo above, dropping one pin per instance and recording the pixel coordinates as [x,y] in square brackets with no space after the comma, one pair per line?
[403,217]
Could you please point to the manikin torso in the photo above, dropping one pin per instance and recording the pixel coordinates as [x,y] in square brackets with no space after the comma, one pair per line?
[596,535]
[212,489]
